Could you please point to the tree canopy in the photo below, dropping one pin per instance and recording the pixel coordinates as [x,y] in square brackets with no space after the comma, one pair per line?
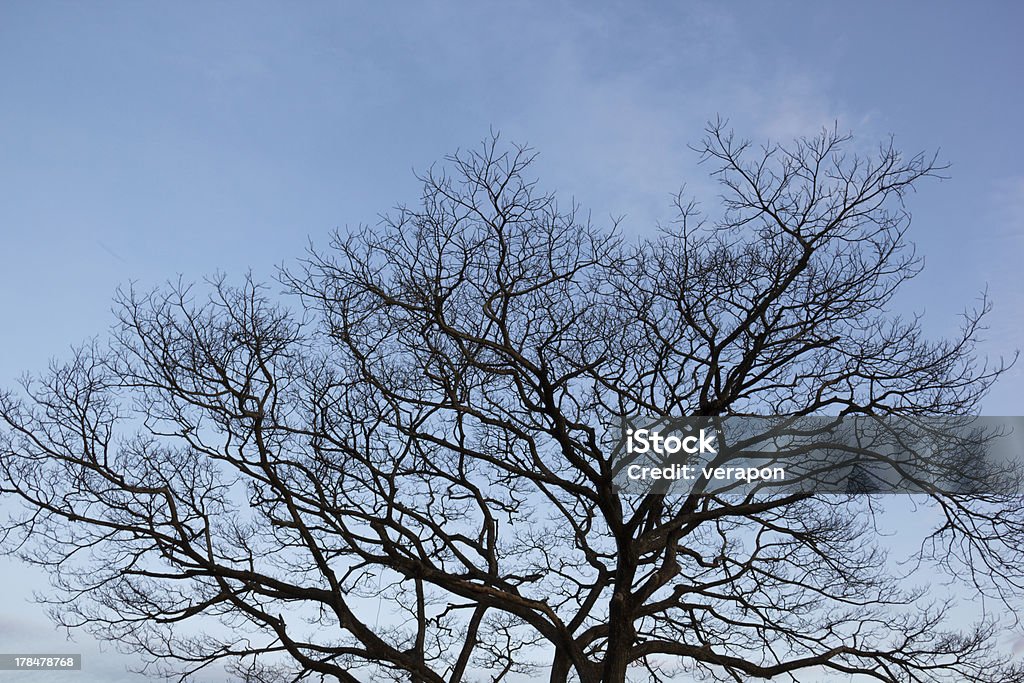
[401,468]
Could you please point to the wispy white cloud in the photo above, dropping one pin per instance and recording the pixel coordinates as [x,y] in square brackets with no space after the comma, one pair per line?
[999,247]
[615,124]
[799,103]
[1008,206]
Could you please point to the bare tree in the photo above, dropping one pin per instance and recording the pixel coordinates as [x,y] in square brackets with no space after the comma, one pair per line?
[406,472]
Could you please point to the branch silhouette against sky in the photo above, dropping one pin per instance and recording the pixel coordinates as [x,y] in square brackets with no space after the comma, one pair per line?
[430,419]
[147,144]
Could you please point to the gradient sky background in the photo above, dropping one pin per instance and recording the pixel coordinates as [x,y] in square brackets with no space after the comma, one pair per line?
[139,141]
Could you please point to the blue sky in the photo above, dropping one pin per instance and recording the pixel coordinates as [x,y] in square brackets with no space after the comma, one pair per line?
[143,140]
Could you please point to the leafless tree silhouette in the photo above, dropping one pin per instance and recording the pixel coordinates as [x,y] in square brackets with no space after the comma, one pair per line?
[404,472]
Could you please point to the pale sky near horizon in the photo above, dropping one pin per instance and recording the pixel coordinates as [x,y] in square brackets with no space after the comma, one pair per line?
[140,141]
